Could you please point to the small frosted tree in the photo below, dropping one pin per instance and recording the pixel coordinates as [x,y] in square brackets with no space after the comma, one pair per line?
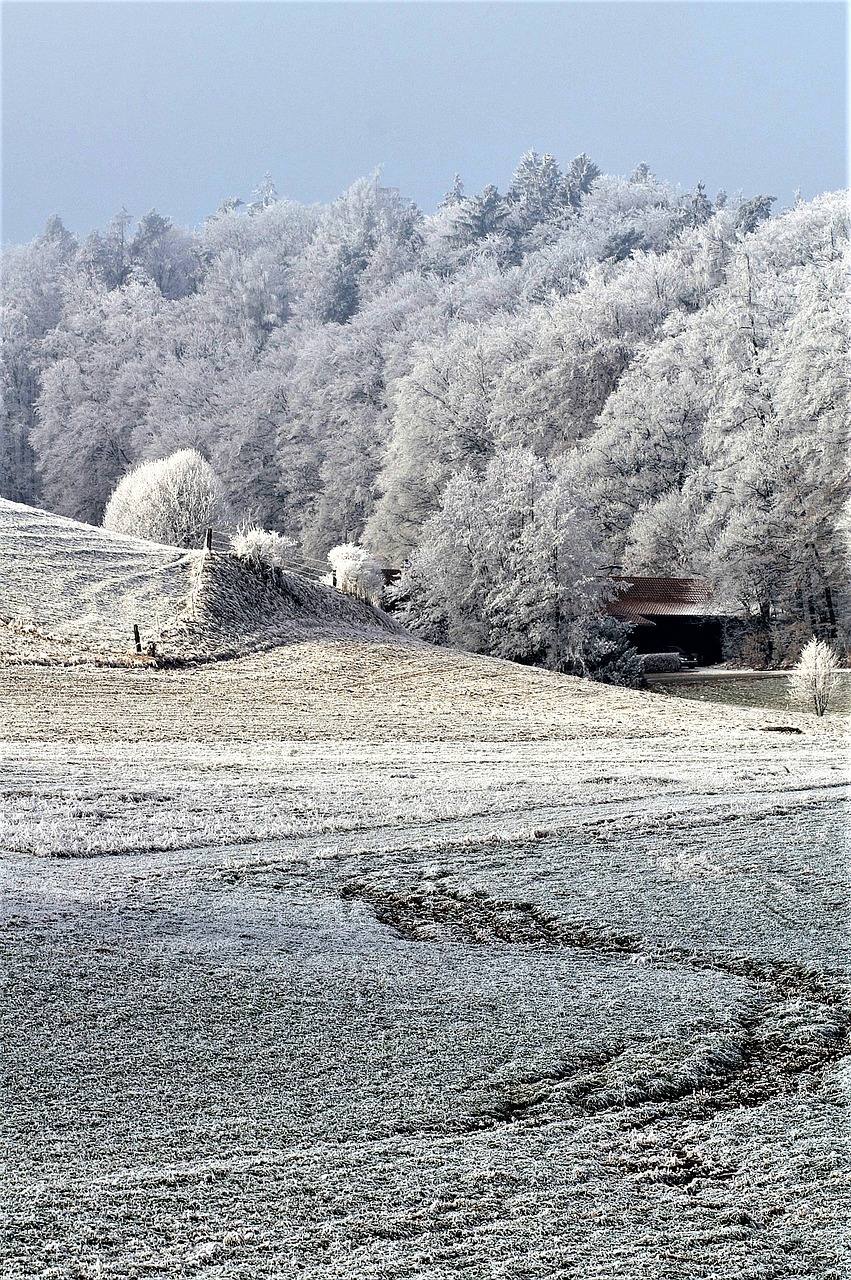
[357,573]
[815,676]
[262,549]
[173,500]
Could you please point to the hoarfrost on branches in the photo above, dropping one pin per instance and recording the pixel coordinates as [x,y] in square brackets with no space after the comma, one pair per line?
[509,567]
[815,677]
[357,573]
[173,501]
[262,548]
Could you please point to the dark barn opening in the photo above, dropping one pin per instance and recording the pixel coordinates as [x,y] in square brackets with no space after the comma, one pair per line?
[667,614]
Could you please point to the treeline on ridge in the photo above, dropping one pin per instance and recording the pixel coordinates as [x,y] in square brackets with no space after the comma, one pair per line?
[660,374]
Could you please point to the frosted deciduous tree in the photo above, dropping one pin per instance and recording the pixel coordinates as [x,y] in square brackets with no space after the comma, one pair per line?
[166,254]
[508,566]
[250,261]
[336,406]
[172,500]
[662,538]
[648,440]
[812,403]
[815,677]
[751,213]
[776,440]
[366,238]
[32,280]
[105,261]
[440,423]
[205,397]
[102,364]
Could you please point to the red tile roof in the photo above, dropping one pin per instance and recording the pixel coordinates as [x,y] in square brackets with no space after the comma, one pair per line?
[642,599]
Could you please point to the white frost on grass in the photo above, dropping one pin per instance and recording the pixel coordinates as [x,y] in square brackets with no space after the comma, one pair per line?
[115,798]
[231,1061]
[74,592]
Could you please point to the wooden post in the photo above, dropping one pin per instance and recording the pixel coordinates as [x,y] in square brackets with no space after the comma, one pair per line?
[137,638]
[208,541]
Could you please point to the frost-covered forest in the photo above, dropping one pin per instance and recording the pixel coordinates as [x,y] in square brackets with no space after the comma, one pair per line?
[644,380]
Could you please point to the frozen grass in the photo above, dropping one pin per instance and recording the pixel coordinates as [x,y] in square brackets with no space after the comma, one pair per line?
[81,588]
[767,692]
[359,689]
[297,1058]
[403,963]
[72,594]
[79,799]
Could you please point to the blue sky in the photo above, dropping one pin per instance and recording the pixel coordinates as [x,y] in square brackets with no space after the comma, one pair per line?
[179,105]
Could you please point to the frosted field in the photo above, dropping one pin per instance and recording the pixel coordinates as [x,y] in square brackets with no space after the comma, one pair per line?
[355,958]
[72,593]
[770,692]
[554,991]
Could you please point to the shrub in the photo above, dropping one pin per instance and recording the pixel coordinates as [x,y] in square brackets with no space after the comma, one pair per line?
[262,549]
[601,651]
[357,573]
[815,676]
[656,664]
[172,500]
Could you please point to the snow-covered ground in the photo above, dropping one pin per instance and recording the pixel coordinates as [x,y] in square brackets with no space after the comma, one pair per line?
[354,958]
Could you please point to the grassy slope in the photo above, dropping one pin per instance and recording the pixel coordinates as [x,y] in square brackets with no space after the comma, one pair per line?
[83,586]
[393,962]
[72,592]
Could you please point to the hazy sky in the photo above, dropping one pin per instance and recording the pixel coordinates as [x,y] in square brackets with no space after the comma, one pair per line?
[178,105]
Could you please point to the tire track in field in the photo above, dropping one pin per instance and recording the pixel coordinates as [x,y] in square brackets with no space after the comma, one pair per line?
[798,1030]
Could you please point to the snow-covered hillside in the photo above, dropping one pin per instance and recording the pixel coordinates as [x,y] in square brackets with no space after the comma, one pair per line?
[83,587]
[71,592]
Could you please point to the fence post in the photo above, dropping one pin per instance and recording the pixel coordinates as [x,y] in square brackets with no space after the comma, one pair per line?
[137,638]
[208,540]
